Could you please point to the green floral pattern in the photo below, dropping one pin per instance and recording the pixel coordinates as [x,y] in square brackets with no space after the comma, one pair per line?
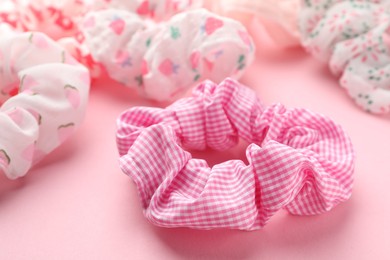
[354,38]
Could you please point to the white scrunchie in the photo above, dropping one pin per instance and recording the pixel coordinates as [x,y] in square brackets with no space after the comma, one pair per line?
[43,92]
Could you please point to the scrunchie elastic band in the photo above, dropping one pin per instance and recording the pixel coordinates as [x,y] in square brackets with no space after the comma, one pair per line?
[354,38]
[298,160]
[45,93]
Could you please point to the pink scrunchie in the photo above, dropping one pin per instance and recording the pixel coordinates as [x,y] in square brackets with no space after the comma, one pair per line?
[298,160]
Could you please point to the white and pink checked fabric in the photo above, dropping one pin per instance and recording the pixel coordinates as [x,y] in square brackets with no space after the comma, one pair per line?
[298,160]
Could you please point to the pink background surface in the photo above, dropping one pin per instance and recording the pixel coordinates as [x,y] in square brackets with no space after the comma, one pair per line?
[77,204]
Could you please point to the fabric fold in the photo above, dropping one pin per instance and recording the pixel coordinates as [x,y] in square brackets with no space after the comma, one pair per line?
[298,160]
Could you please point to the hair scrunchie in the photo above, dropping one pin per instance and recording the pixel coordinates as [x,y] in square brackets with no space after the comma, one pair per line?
[165,59]
[43,97]
[60,18]
[298,160]
[354,38]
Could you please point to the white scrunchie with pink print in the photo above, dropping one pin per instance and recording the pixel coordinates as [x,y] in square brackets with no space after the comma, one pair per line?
[43,98]
[59,19]
[136,44]
[354,38]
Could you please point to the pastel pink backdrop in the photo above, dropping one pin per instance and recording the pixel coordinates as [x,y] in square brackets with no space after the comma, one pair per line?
[77,204]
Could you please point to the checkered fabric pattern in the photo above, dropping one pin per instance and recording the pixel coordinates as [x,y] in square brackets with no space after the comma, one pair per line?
[298,160]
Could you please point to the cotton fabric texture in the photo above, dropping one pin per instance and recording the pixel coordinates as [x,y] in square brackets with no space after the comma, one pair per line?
[166,59]
[279,18]
[43,97]
[298,160]
[353,37]
[60,19]
[139,43]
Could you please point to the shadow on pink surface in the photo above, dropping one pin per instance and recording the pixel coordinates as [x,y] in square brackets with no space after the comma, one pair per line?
[283,232]
[60,155]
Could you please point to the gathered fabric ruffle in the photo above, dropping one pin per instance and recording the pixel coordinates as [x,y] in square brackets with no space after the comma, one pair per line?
[298,160]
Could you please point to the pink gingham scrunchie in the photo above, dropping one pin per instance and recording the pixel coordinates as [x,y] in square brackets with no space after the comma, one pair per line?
[354,38]
[165,59]
[43,98]
[298,160]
